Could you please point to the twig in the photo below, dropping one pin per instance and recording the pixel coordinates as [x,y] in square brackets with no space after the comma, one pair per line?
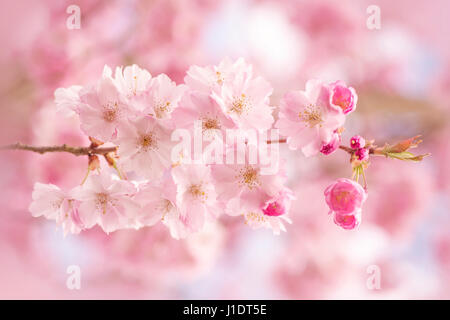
[77,151]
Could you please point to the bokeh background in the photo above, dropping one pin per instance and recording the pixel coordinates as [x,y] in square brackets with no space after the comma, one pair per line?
[401,73]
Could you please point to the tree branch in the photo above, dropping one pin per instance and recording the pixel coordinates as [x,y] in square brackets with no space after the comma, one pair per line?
[77,151]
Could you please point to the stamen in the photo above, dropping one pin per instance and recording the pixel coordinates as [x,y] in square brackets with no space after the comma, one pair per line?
[249,176]
[240,105]
[312,115]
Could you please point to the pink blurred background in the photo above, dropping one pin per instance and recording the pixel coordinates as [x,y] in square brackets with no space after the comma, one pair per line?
[401,73]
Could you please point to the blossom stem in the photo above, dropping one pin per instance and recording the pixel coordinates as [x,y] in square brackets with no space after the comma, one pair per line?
[77,151]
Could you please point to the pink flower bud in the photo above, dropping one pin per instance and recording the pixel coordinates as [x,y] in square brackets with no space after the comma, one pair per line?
[357,142]
[331,146]
[343,97]
[362,154]
[348,221]
[345,196]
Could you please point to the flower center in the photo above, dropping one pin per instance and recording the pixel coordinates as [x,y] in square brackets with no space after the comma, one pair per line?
[161,109]
[102,201]
[148,141]
[249,176]
[240,105]
[219,78]
[197,192]
[210,123]
[111,112]
[343,197]
[274,209]
[311,115]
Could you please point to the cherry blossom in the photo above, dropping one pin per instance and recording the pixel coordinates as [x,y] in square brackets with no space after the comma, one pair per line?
[308,119]
[107,202]
[144,147]
[54,204]
[345,198]
[103,109]
[196,195]
[162,97]
[159,205]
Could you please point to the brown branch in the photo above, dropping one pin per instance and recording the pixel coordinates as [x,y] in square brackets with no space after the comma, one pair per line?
[77,151]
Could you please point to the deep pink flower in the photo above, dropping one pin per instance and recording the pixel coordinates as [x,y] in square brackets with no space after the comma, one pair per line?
[357,142]
[362,154]
[278,205]
[345,196]
[343,97]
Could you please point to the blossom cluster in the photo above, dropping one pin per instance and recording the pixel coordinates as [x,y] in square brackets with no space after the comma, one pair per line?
[155,181]
[138,113]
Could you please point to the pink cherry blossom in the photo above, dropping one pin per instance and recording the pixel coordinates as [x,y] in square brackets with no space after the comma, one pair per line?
[196,195]
[159,205]
[67,100]
[343,97]
[103,109]
[106,202]
[345,196]
[308,119]
[246,102]
[234,181]
[162,97]
[144,147]
[211,78]
[196,106]
[262,211]
[54,204]
[132,80]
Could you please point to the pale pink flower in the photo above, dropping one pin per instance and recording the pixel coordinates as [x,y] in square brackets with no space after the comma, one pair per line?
[67,100]
[103,109]
[234,181]
[54,204]
[144,147]
[162,97]
[246,102]
[106,202]
[343,97]
[262,211]
[158,203]
[212,78]
[196,195]
[132,80]
[308,119]
[196,106]
[345,196]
